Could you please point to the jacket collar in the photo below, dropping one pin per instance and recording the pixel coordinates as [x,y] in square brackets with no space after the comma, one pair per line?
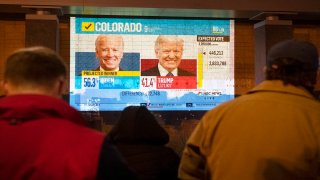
[278,86]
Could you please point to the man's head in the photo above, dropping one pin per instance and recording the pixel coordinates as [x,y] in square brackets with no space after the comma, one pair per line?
[35,70]
[109,51]
[169,50]
[294,62]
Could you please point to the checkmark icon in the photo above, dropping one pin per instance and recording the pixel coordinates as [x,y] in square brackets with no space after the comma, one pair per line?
[87,26]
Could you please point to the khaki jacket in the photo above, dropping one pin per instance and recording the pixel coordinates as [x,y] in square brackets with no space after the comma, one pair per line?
[272,132]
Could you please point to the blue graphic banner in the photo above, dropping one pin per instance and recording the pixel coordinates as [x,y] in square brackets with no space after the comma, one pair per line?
[152,26]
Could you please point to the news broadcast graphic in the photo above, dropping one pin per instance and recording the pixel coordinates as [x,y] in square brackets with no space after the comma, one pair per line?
[204,79]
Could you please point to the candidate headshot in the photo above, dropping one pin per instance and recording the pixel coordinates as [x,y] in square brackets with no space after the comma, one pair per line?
[169,50]
[109,51]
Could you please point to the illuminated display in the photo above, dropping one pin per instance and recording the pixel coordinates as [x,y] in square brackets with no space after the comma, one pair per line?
[164,64]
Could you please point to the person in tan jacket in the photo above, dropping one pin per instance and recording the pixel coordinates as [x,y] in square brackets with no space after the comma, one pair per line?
[272,132]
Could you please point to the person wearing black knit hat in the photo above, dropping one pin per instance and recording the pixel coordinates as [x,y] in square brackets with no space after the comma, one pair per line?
[272,132]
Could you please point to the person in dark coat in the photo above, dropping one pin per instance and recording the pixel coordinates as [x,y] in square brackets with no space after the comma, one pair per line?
[142,142]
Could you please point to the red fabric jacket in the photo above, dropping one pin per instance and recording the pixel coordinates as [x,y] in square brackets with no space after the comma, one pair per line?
[44,138]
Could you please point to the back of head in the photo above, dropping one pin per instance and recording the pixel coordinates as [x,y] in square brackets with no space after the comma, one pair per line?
[137,125]
[34,67]
[294,62]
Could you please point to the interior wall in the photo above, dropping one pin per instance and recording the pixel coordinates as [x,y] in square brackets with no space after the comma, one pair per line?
[309,33]
[12,35]
[244,57]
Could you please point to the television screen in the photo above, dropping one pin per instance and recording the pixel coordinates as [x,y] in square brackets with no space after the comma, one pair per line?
[164,64]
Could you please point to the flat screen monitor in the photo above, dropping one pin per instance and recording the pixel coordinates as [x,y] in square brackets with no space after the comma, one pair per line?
[201,60]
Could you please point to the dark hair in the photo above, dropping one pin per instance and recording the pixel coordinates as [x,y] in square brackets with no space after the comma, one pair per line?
[39,66]
[291,71]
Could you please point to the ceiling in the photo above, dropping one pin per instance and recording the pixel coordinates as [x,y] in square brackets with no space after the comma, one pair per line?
[247,10]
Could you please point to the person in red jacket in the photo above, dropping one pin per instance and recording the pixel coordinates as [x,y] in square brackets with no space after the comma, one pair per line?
[41,136]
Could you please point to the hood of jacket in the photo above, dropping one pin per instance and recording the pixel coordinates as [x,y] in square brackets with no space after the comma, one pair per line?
[137,125]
